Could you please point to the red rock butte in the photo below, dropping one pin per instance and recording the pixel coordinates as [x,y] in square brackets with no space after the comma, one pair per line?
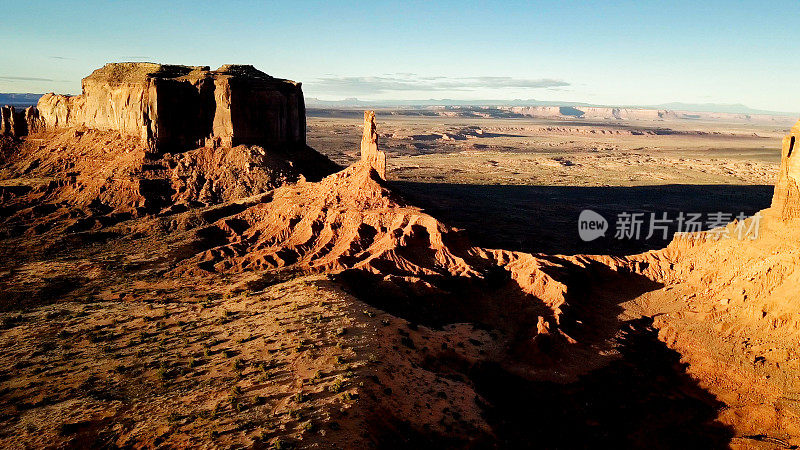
[179,107]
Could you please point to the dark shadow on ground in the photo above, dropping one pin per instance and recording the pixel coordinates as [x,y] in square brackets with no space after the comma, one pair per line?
[544,219]
[643,400]
[495,301]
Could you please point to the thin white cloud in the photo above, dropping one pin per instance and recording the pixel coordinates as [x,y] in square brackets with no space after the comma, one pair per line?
[137,58]
[12,79]
[412,82]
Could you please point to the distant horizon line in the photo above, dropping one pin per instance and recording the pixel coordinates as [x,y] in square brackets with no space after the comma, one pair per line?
[722,108]
[354,102]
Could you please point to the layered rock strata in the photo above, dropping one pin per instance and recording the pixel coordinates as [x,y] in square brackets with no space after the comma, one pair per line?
[172,107]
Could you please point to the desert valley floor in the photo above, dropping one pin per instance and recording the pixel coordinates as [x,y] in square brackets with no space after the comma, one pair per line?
[534,176]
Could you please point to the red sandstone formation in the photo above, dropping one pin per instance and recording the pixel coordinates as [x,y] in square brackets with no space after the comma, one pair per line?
[369,146]
[786,200]
[19,123]
[217,213]
[219,135]
[728,306]
[179,107]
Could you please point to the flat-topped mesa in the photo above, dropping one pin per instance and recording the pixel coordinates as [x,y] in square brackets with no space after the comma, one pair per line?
[178,107]
[786,199]
[369,146]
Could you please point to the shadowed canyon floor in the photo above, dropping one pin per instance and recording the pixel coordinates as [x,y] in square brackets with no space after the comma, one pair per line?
[236,297]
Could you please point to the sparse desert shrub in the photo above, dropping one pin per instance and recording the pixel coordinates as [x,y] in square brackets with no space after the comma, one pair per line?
[163,374]
[63,334]
[336,386]
[280,444]
[316,319]
[52,315]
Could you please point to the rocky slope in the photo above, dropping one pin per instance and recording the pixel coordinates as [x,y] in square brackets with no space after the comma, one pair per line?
[729,306]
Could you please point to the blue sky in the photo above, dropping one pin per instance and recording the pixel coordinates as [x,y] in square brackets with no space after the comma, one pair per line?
[642,52]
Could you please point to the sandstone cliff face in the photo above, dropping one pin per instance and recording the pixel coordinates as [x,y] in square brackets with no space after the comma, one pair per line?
[369,146]
[786,199]
[33,121]
[5,120]
[14,122]
[178,107]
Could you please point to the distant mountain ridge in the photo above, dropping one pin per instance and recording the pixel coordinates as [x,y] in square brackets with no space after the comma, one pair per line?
[731,108]
[674,106]
[26,99]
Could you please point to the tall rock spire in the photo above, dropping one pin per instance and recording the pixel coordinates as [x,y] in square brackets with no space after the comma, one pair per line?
[369,146]
[786,200]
